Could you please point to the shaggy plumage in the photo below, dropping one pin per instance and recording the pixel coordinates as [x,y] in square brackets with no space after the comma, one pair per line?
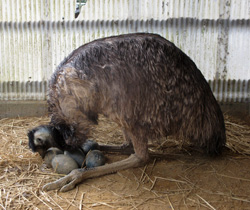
[142,82]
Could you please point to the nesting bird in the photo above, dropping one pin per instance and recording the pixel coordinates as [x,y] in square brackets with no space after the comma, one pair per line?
[145,84]
[61,157]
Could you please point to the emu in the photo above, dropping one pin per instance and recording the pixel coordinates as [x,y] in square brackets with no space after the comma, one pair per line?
[145,84]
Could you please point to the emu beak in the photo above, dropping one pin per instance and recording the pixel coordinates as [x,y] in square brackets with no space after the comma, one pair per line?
[41,152]
[79,4]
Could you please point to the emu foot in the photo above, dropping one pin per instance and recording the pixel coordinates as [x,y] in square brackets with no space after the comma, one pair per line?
[78,175]
[125,149]
[66,183]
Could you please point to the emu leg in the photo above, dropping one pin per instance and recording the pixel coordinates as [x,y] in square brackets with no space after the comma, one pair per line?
[125,148]
[78,175]
[122,149]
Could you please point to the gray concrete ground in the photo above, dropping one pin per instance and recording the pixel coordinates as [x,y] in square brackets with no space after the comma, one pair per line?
[9,109]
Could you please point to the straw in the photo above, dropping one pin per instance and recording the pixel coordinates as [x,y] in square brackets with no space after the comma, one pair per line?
[22,172]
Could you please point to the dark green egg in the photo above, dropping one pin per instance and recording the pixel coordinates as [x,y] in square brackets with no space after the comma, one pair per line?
[95,158]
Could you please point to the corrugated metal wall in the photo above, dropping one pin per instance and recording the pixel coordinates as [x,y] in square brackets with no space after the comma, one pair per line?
[37,34]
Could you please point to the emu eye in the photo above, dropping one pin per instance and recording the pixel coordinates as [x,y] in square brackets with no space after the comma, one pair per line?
[39,140]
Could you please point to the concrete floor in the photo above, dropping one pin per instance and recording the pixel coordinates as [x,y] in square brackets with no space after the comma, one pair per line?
[9,109]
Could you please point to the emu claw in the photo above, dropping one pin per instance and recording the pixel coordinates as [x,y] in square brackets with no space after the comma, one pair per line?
[66,183]
[78,175]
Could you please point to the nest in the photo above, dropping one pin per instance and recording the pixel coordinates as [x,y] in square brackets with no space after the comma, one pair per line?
[238,135]
[22,173]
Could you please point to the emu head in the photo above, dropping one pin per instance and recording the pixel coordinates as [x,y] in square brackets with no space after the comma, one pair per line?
[43,137]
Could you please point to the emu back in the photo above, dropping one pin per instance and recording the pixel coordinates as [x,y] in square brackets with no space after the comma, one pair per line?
[142,82]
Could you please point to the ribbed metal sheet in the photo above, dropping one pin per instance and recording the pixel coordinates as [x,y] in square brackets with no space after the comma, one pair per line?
[37,34]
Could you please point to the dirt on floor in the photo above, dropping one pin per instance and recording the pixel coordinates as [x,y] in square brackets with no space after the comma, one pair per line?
[176,177]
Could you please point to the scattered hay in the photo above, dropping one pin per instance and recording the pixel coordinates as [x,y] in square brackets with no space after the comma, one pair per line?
[22,173]
[238,135]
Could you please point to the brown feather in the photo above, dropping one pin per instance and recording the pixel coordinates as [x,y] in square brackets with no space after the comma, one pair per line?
[142,82]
